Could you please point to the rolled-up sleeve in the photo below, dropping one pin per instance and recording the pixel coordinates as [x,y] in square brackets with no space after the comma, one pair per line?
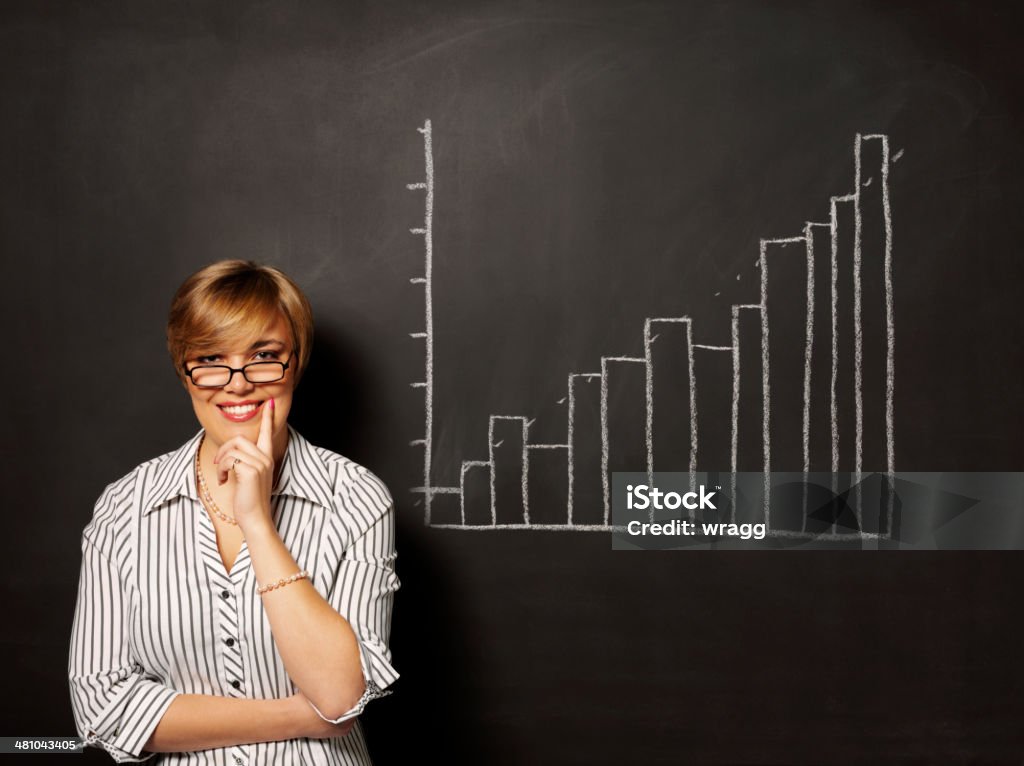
[116,705]
[365,582]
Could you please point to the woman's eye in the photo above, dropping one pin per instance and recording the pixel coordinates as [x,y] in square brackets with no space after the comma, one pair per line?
[265,355]
[207,359]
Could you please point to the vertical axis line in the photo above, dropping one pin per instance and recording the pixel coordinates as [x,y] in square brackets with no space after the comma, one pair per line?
[428,289]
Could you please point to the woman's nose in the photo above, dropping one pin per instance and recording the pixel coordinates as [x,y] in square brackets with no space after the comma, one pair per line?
[238,382]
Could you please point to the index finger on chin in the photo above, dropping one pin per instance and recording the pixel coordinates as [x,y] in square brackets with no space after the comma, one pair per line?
[265,440]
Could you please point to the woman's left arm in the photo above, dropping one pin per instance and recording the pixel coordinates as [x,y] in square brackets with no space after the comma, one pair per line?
[320,649]
[360,593]
[318,646]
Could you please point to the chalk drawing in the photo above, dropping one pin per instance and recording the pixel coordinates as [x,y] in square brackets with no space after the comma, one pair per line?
[828,389]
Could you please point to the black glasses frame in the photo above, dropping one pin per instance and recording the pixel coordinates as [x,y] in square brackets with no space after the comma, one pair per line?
[233,370]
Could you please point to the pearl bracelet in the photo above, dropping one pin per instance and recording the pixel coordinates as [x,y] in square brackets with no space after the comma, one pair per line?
[261,589]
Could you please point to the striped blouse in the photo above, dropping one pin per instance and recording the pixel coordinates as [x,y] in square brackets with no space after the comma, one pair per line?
[159,615]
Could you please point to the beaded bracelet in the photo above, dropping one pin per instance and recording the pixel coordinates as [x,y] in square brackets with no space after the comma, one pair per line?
[261,589]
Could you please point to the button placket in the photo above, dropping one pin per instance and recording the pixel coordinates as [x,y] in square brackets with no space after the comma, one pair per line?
[231,641]
[232,644]
[226,590]
[229,645]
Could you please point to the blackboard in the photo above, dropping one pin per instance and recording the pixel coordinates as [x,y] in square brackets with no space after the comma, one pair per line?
[594,166]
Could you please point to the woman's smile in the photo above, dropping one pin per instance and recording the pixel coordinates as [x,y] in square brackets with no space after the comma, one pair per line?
[240,412]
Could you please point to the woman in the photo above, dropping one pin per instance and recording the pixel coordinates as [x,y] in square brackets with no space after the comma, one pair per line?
[235,596]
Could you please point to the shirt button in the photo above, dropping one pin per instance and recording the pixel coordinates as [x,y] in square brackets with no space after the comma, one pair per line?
[237,684]
[229,641]
[238,760]
[225,594]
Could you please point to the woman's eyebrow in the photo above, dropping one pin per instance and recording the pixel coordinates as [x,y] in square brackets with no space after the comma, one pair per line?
[262,343]
[257,345]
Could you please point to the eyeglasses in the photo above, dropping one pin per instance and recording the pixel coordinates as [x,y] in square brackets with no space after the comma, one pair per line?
[219,375]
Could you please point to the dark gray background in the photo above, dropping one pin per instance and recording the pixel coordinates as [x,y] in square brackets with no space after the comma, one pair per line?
[596,163]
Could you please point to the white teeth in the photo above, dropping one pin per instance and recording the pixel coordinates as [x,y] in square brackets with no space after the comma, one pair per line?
[243,410]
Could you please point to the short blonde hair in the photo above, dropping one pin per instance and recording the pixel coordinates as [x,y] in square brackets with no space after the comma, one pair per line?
[231,301]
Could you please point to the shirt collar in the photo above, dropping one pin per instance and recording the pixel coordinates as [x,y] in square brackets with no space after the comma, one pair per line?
[303,474]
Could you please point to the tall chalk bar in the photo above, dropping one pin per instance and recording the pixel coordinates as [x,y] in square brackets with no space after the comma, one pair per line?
[669,348]
[873,263]
[818,425]
[714,381]
[476,493]
[547,484]
[623,419]
[586,493]
[784,274]
[748,389]
[843,380]
[508,459]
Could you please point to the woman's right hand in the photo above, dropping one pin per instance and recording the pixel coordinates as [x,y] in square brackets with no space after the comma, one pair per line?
[310,724]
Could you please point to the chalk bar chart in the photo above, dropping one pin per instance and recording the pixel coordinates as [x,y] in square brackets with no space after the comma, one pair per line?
[825,318]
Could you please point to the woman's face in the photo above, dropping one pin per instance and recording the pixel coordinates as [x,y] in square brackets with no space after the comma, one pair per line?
[246,400]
